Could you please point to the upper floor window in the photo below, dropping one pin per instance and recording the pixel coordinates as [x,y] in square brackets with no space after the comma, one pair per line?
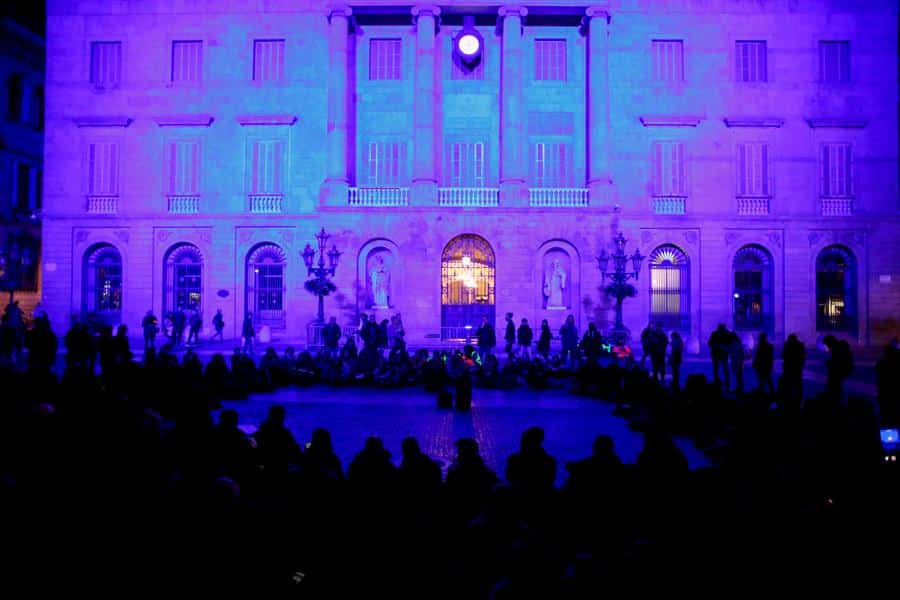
[834,62]
[386,164]
[183,161]
[37,108]
[668,169]
[750,62]
[465,166]
[106,64]
[267,167]
[187,61]
[550,60]
[268,60]
[552,165]
[384,58]
[836,170]
[23,200]
[15,94]
[753,170]
[668,60]
[103,169]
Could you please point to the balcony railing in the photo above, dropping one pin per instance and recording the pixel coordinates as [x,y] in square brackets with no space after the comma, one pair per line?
[266,204]
[102,205]
[837,207]
[559,197]
[669,205]
[378,196]
[752,206]
[183,205]
[478,197]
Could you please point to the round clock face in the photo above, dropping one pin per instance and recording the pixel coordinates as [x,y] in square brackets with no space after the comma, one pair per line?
[468,44]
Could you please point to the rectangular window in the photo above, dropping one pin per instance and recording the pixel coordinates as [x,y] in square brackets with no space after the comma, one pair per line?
[836,170]
[668,169]
[106,64]
[753,170]
[386,164]
[23,186]
[750,62]
[187,61]
[668,60]
[103,169]
[552,166]
[465,164]
[267,167]
[268,60]
[384,59]
[184,168]
[550,60]
[834,62]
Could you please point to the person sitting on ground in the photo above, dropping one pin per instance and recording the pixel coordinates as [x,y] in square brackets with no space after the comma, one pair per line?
[531,470]
[419,475]
[469,481]
[277,448]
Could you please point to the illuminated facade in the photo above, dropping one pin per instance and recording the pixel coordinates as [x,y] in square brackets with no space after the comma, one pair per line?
[472,158]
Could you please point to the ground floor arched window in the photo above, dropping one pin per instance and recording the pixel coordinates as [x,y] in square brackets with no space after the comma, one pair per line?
[183,279]
[102,284]
[266,285]
[467,285]
[836,307]
[670,288]
[753,303]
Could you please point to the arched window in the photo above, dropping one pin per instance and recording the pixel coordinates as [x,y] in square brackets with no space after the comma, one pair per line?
[670,288]
[183,279]
[102,284]
[836,290]
[15,94]
[753,300]
[265,286]
[467,285]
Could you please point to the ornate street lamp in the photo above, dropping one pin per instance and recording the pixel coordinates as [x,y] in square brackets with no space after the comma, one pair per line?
[619,288]
[319,284]
[14,264]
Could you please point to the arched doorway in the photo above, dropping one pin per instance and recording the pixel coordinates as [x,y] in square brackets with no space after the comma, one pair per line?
[265,285]
[670,288]
[101,285]
[836,290]
[467,286]
[753,307]
[183,278]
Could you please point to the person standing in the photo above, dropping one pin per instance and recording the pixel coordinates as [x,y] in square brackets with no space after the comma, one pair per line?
[196,323]
[178,324]
[219,325]
[150,326]
[658,343]
[646,343]
[568,334]
[248,333]
[763,363]
[510,336]
[592,343]
[718,347]
[676,354]
[543,346]
[331,337]
[794,356]
[487,338]
[524,336]
[736,356]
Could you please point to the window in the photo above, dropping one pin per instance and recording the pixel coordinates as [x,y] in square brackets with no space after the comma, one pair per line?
[386,164]
[836,170]
[550,60]
[668,60]
[670,289]
[265,285]
[753,303]
[183,159]
[753,170]
[187,61]
[668,169]
[103,169]
[465,166]
[23,186]
[384,59]
[268,60]
[106,64]
[834,62]
[37,108]
[836,290]
[267,167]
[102,284]
[183,285]
[750,62]
[552,166]
[15,94]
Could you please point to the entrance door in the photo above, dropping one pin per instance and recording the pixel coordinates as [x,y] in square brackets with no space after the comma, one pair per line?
[467,286]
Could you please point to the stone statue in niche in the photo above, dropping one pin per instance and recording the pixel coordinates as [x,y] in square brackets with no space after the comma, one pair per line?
[554,284]
[380,280]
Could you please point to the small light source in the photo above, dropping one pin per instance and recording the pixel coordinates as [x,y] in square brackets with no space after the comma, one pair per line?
[467,327]
[468,44]
[736,295]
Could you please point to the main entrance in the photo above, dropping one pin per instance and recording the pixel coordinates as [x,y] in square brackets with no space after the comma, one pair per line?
[467,286]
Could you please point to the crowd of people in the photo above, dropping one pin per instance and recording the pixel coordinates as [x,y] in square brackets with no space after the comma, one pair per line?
[115,471]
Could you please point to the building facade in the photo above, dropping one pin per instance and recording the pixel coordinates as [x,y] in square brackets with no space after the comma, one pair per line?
[748,149]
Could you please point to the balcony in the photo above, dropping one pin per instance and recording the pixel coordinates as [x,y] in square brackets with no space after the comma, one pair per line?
[266,204]
[378,196]
[183,205]
[669,205]
[102,205]
[469,197]
[755,206]
[559,197]
[836,207]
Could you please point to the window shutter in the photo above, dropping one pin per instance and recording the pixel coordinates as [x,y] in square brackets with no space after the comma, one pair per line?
[742,170]
[171,167]
[277,184]
[195,168]
[254,168]
[657,169]
[765,181]
[113,187]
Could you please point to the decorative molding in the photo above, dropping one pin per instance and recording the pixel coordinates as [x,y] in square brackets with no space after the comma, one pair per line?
[340,10]
[202,120]
[690,237]
[425,9]
[775,238]
[753,121]
[646,237]
[598,12]
[205,236]
[101,121]
[671,120]
[245,235]
[731,237]
[81,236]
[837,122]
[123,236]
[512,11]
[163,234]
[847,237]
[245,120]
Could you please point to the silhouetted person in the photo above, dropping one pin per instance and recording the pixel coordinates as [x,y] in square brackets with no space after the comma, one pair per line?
[275,443]
[510,335]
[676,357]
[568,335]
[196,322]
[719,341]
[381,335]
[543,346]
[371,471]
[531,470]
[218,322]
[660,457]
[121,345]
[42,346]
[106,348]
[598,474]
[591,343]
[487,338]
[248,333]
[232,449]
[657,346]
[150,326]
[838,365]
[179,321]
[794,357]
[331,336]
[419,475]
[646,343]
[764,363]
[469,481]
[319,461]
[736,356]
[524,335]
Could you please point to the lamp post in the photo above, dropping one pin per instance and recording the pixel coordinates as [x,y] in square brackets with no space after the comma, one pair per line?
[14,263]
[619,288]
[320,285]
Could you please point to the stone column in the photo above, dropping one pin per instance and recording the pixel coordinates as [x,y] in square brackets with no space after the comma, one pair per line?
[513,153]
[599,177]
[334,190]
[424,177]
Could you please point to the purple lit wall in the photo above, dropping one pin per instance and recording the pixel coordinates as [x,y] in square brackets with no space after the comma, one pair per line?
[193,149]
